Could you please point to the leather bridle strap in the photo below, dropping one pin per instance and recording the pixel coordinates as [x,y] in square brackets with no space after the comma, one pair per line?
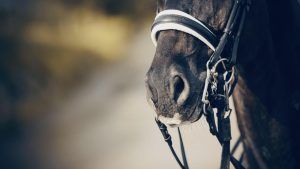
[232,31]
[167,137]
[184,165]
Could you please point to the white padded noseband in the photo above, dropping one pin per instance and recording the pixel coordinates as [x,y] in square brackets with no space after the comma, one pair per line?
[180,27]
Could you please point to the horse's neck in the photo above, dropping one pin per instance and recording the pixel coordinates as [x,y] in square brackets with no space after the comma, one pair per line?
[269,64]
[259,96]
[285,26]
[265,139]
[257,61]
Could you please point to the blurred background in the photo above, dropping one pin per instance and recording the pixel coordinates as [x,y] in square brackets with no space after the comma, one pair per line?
[72,89]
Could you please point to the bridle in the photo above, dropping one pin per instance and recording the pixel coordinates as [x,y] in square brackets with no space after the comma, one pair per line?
[221,75]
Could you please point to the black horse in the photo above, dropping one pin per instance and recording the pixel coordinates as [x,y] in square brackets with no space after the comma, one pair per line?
[267,96]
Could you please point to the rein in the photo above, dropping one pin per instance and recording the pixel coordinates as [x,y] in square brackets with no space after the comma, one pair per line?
[221,74]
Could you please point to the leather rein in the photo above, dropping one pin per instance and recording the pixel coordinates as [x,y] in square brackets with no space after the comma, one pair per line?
[221,75]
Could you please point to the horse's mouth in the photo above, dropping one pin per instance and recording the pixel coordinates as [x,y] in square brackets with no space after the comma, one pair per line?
[178,119]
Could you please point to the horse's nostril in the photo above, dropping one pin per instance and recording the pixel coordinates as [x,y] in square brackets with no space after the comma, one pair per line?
[179,89]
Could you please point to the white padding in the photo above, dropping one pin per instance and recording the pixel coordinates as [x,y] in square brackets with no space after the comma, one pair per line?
[183,14]
[179,27]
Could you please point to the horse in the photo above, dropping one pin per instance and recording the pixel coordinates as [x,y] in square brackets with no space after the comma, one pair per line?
[267,94]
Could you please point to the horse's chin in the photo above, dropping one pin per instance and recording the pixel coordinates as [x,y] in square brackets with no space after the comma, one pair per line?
[179,120]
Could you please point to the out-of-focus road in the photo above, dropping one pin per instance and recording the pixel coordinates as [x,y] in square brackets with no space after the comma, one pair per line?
[107,124]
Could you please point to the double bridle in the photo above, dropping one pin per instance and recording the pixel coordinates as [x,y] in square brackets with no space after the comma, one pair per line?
[221,76]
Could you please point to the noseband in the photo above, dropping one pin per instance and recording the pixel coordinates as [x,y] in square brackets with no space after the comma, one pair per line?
[181,21]
[219,85]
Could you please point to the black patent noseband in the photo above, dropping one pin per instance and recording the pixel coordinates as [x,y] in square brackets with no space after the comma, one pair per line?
[217,89]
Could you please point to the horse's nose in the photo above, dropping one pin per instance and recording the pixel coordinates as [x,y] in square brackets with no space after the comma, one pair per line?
[179,89]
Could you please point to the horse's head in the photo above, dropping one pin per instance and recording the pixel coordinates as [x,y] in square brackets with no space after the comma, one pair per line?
[177,75]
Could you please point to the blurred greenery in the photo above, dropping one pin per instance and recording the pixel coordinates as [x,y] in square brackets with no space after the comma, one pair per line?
[48,48]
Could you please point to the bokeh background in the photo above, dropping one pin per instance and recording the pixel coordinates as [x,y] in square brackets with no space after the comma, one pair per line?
[72,89]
